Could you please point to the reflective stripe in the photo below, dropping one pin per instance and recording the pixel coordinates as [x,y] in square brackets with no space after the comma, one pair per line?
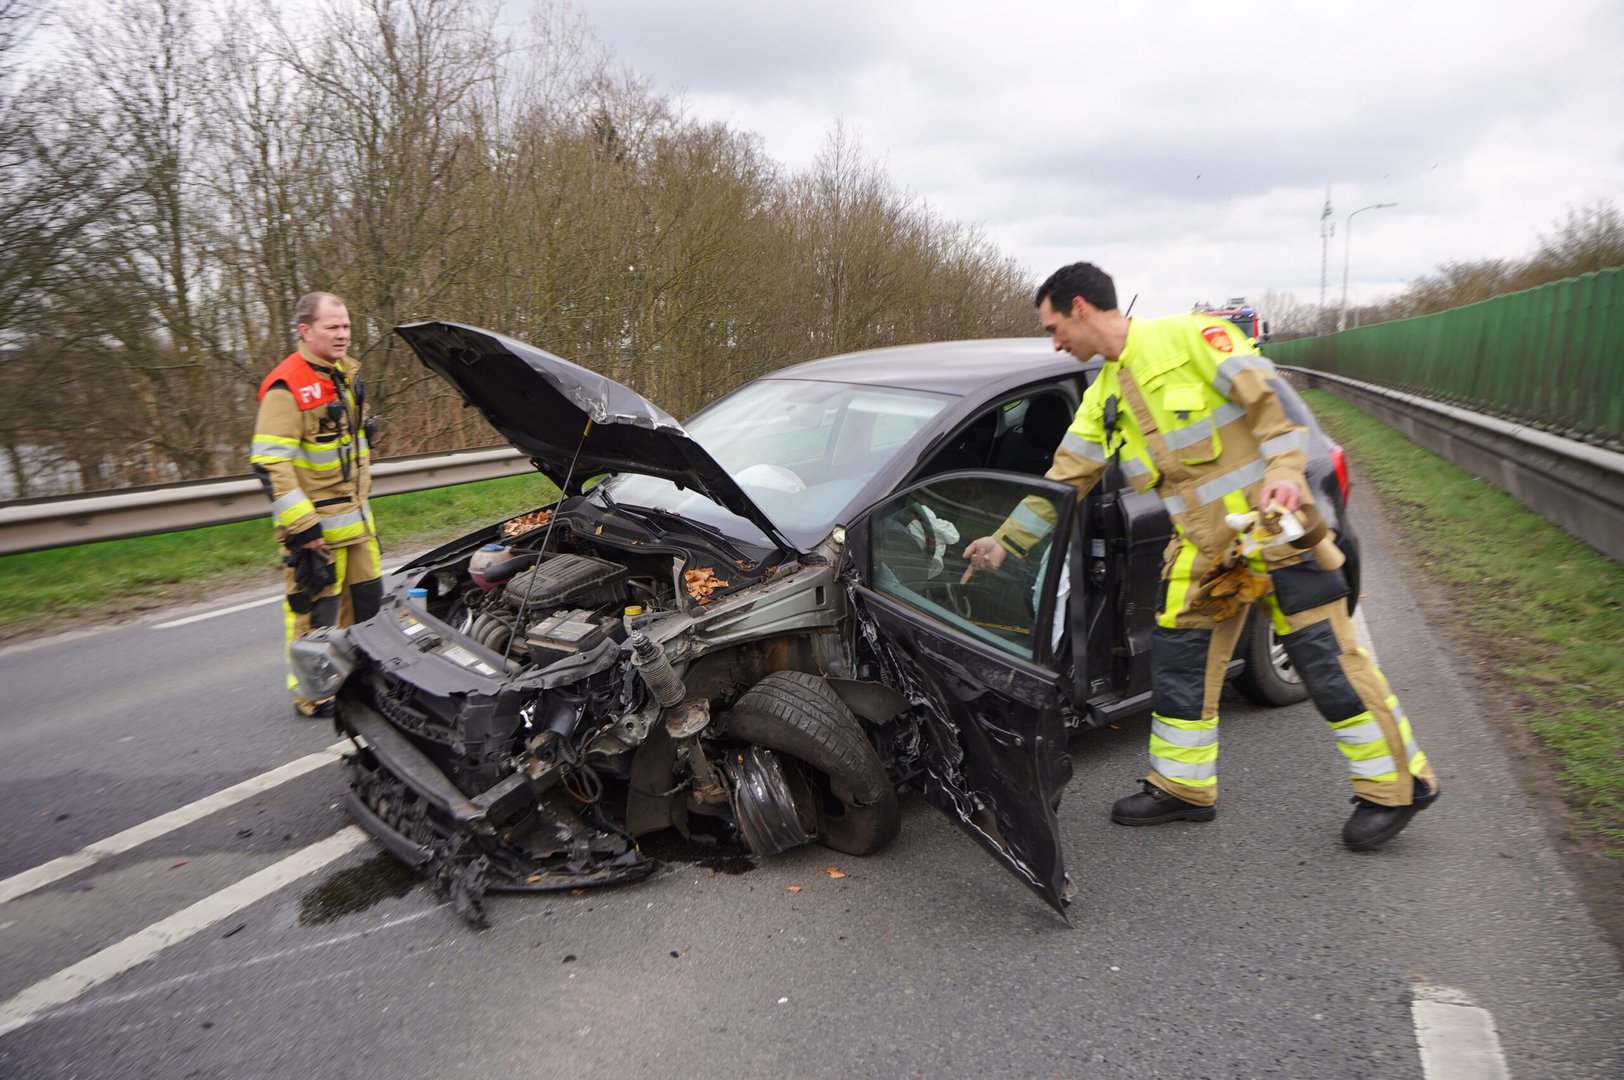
[1365,746]
[1024,518]
[291,507]
[317,456]
[1297,440]
[1214,490]
[343,526]
[1185,750]
[1231,368]
[292,498]
[1086,449]
[1381,768]
[1189,435]
[265,450]
[1359,734]
[1185,770]
[338,521]
[1185,737]
[1134,467]
[301,509]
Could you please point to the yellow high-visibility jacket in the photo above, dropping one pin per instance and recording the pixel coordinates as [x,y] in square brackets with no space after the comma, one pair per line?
[310,450]
[1197,421]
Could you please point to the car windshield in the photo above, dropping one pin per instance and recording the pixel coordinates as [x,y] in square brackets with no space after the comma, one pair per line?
[800,449]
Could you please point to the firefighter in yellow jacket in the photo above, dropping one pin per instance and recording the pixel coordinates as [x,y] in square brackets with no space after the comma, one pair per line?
[310,451]
[1186,405]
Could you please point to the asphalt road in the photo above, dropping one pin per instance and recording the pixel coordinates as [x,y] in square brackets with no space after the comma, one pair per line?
[1251,946]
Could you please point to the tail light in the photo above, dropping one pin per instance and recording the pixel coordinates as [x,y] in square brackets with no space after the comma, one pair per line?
[1339,462]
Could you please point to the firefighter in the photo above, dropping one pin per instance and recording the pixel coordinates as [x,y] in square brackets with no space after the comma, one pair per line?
[1186,405]
[311,453]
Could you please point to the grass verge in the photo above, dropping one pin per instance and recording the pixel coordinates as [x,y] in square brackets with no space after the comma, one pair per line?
[49,590]
[1545,611]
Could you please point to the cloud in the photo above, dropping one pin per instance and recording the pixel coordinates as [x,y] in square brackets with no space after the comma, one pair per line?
[1183,144]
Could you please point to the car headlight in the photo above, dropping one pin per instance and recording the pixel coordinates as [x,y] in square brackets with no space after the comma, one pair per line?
[321,661]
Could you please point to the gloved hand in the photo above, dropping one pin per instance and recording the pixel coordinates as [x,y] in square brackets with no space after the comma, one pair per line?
[313,572]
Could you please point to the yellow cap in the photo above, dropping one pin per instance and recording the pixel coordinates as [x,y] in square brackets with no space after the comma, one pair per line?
[634,609]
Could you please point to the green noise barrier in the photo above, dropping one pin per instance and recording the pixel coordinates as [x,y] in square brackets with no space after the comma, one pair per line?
[1550,357]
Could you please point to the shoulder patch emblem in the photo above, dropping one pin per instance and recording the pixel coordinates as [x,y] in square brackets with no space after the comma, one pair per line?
[1217,339]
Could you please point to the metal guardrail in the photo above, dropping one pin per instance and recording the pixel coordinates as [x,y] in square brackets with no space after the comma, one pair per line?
[1575,485]
[35,524]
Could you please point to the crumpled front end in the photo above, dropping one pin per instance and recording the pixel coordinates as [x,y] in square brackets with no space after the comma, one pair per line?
[483,753]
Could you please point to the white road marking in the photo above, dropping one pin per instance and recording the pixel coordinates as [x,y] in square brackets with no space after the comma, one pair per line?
[172,623]
[1458,1040]
[89,855]
[71,982]
[211,614]
[166,985]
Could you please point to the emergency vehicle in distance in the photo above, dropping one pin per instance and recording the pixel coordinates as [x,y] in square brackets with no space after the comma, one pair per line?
[1242,314]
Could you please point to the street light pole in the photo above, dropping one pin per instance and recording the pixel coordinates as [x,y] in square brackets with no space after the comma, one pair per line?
[1327,227]
[1347,243]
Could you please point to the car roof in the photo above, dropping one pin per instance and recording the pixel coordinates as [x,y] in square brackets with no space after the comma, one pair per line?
[956,368]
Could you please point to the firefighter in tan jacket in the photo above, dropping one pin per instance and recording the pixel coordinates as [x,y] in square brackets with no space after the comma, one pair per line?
[1186,405]
[310,451]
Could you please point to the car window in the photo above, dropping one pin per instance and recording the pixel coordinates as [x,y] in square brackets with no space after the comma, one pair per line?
[914,555]
[800,449]
[1016,436]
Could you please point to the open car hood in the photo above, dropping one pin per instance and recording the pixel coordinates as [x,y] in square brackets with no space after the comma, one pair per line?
[543,404]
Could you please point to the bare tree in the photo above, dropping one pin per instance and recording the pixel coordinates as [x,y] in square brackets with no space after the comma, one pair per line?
[1591,238]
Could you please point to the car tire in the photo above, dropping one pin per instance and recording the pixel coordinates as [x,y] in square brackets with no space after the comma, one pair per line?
[801,715]
[1270,677]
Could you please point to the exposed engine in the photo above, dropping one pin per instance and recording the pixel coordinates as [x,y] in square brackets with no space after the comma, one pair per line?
[540,702]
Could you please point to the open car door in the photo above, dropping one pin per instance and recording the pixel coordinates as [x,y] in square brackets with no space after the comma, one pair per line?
[980,658]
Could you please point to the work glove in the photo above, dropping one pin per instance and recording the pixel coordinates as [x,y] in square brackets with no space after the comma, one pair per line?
[313,572]
[297,540]
[1226,589]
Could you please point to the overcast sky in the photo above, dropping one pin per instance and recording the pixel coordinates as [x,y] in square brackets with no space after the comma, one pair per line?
[1185,147]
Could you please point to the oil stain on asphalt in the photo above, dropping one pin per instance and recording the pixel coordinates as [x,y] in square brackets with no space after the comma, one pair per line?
[350,891]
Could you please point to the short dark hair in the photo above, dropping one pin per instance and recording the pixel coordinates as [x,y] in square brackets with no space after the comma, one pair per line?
[1078,279]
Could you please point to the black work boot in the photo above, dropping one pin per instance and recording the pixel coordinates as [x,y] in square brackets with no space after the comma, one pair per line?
[1153,806]
[1372,824]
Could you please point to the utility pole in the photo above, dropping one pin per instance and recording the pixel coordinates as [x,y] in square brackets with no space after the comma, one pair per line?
[1327,230]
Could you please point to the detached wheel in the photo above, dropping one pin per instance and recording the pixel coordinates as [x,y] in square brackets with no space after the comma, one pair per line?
[840,790]
[1270,677]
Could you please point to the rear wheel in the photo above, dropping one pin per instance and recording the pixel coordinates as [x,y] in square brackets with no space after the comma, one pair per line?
[1270,677]
[838,781]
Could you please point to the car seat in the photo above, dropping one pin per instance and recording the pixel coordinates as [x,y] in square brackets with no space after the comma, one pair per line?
[966,450]
[1030,447]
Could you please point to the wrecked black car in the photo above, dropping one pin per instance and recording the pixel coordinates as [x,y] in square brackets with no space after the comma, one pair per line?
[750,628]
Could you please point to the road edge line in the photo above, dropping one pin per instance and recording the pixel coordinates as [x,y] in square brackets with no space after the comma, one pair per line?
[73,981]
[60,867]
